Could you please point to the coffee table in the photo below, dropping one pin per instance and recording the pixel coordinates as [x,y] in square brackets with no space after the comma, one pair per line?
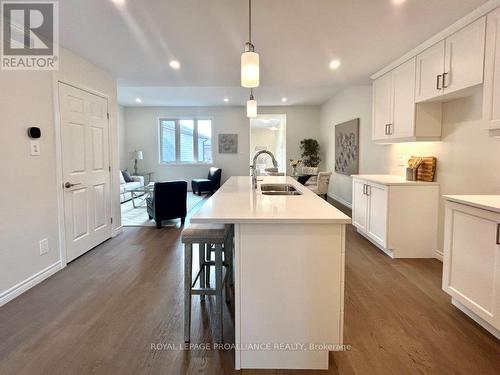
[141,193]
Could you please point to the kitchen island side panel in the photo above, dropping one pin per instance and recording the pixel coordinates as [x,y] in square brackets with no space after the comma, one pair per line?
[289,291]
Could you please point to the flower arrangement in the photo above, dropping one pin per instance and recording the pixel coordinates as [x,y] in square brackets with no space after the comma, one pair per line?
[294,163]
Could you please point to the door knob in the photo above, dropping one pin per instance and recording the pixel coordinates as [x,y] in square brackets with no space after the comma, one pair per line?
[67,185]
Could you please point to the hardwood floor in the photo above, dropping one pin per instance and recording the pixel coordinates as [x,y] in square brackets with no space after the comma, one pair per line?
[103,313]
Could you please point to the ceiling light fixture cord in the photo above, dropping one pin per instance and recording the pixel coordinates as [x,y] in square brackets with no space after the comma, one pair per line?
[250,21]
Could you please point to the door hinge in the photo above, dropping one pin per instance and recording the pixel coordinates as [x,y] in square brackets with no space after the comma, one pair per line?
[108,116]
[111,220]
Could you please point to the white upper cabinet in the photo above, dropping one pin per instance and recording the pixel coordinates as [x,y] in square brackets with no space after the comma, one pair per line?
[449,67]
[491,96]
[382,106]
[430,65]
[403,102]
[464,58]
[396,118]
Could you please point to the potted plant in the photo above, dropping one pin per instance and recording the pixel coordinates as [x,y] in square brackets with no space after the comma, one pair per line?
[310,152]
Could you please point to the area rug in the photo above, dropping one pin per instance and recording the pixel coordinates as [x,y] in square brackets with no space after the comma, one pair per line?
[138,217]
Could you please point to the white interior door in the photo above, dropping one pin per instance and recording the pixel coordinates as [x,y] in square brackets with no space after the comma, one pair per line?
[85,165]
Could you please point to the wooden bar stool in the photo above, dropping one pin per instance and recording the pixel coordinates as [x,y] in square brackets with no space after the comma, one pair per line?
[206,236]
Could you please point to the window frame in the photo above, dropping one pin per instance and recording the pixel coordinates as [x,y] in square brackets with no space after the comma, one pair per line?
[177,121]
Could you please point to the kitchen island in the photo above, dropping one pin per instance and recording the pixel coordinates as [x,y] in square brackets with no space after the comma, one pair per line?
[289,272]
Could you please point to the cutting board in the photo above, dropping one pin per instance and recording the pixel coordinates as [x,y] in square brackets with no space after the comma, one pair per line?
[427,170]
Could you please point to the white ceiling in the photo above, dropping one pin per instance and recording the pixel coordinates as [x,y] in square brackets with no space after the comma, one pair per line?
[296,40]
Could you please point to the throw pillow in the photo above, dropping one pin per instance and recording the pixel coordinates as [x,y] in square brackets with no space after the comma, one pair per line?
[126,176]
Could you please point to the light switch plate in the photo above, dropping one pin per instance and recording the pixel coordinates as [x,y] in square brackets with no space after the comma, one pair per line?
[35,148]
[44,246]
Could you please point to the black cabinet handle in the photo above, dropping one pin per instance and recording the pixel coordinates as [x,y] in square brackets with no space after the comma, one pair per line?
[437,81]
[498,234]
[444,81]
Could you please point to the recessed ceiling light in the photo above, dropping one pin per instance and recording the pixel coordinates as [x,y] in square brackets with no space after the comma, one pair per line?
[284,99]
[397,2]
[226,99]
[138,100]
[174,64]
[118,2]
[334,64]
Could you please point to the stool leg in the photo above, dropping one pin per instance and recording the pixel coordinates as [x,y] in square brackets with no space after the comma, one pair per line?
[227,258]
[188,255]
[218,293]
[201,257]
[208,258]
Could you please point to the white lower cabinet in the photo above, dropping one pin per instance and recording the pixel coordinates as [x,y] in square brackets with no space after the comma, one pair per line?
[399,217]
[471,262]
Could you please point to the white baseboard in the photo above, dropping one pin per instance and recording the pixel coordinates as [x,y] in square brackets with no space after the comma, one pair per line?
[29,283]
[340,200]
[439,255]
[117,231]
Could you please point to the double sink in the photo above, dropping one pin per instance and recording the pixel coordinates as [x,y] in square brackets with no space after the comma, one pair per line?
[279,189]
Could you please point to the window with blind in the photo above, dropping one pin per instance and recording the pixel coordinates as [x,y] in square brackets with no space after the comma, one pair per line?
[187,141]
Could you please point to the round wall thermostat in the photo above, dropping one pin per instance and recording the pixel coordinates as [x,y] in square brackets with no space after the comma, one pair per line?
[34,132]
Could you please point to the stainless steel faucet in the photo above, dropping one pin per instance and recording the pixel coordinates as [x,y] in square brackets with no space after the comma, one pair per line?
[252,167]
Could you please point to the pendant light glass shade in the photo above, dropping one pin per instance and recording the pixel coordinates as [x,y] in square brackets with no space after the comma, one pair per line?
[250,69]
[251,107]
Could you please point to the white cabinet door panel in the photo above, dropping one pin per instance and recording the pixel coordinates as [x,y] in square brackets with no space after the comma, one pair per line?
[464,57]
[430,66]
[377,213]
[359,205]
[472,260]
[403,124]
[382,105]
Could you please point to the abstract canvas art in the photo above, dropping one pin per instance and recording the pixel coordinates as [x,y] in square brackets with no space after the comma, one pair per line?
[347,147]
[228,143]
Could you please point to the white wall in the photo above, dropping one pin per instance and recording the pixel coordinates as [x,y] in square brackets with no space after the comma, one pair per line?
[468,159]
[354,102]
[141,132]
[29,209]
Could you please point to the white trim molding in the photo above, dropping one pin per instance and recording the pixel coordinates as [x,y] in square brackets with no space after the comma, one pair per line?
[452,29]
[117,231]
[340,200]
[29,283]
[439,255]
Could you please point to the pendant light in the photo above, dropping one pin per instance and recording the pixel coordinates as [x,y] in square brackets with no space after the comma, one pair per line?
[251,106]
[249,58]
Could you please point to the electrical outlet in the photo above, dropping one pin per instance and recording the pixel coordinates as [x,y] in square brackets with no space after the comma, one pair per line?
[401,163]
[44,246]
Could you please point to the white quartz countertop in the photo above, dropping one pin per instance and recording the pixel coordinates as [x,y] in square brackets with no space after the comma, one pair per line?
[389,179]
[486,202]
[237,202]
